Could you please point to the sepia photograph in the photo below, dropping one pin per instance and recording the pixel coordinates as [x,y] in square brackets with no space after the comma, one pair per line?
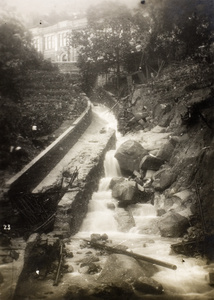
[106,150]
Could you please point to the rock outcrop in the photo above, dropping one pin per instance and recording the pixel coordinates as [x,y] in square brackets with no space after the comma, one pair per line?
[151,162]
[163,178]
[129,155]
[172,224]
[166,150]
[120,270]
[148,286]
[124,190]
[124,219]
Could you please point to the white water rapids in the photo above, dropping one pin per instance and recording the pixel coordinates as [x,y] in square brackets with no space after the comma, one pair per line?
[188,281]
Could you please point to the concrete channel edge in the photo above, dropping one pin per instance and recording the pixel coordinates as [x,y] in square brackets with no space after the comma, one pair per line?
[35,171]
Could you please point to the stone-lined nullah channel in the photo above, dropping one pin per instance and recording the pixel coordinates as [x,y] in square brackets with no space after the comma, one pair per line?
[187,282]
[87,155]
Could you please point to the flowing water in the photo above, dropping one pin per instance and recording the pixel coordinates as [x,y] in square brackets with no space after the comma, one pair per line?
[188,280]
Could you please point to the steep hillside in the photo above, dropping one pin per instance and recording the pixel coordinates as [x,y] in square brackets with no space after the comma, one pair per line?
[181,101]
[48,100]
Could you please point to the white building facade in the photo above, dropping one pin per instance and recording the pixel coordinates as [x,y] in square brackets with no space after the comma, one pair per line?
[52,41]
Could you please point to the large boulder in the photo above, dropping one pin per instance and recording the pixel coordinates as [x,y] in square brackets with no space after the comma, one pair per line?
[90,268]
[173,224]
[129,155]
[160,110]
[165,151]
[185,203]
[158,129]
[114,181]
[124,190]
[88,259]
[206,176]
[124,219]
[119,267]
[149,226]
[182,202]
[162,179]
[123,271]
[148,286]
[150,162]
[140,115]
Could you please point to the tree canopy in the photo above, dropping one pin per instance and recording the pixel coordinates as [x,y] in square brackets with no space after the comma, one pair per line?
[163,31]
[16,55]
[180,29]
[105,43]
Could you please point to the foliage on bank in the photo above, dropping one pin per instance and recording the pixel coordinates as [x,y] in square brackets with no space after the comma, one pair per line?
[148,38]
[34,97]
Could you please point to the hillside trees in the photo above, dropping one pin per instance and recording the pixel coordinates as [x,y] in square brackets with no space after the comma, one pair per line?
[181,29]
[163,32]
[105,43]
[16,56]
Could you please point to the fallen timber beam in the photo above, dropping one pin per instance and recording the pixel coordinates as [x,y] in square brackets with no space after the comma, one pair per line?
[131,254]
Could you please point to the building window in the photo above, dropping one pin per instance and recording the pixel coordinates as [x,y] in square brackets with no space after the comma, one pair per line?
[36,44]
[46,43]
[53,42]
[64,39]
[49,42]
[60,40]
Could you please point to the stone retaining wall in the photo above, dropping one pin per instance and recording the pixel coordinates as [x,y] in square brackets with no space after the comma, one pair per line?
[34,172]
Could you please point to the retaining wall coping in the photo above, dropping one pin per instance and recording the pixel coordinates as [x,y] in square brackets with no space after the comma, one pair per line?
[55,143]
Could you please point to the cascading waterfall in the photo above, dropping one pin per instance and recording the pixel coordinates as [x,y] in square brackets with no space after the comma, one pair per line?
[99,217]
[111,165]
[189,278]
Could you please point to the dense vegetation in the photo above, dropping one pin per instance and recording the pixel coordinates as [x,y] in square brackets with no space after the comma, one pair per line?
[32,93]
[147,38]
